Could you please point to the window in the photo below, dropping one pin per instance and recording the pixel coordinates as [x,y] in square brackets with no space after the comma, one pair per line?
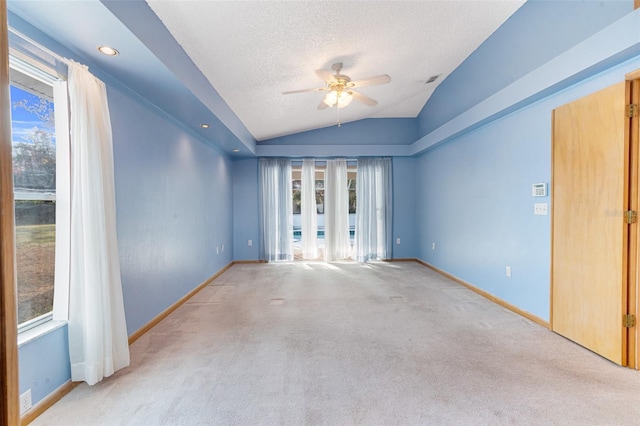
[351,181]
[33,134]
[296,185]
[296,174]
[320,190]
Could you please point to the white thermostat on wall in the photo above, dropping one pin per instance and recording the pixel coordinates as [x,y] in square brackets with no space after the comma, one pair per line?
[539,190]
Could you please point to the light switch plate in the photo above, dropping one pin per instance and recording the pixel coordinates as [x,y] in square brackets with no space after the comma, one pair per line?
[540,209]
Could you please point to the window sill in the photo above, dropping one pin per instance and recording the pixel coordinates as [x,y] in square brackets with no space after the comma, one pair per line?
[39,331]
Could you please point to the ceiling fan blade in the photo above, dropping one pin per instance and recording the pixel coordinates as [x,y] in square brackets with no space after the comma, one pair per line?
[371,81]
[326,75]
[317,89]
[362,98]
[323,105]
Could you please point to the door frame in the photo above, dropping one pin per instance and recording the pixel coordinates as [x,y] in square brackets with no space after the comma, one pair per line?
[9,409]
[633,286]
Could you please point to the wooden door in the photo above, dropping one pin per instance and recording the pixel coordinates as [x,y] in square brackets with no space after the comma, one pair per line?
[589,234]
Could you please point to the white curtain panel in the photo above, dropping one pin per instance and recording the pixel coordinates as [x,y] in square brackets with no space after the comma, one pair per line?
[336,211]
[63,201]
[276,209]
[308,210]
[98,342]
[374,186]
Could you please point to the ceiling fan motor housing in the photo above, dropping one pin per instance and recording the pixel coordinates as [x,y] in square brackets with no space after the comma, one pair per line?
[341,82]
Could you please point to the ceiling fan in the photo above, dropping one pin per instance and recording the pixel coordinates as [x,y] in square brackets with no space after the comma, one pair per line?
[340,88]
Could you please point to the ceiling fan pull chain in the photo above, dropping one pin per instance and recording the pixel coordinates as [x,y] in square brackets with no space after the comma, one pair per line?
[337,115]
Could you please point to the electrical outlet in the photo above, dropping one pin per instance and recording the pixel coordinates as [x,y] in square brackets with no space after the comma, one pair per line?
[398,241]
[25,402]
[217,250]
[433,246]
[250,243]
[222,249]
[508,271]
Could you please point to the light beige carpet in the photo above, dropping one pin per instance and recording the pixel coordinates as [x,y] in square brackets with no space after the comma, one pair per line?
[342,344]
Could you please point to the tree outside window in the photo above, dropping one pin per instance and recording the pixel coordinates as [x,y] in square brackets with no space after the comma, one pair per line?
[351,182]
[297,194]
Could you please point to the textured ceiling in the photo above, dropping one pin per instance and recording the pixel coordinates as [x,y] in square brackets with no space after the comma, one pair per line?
[252,51]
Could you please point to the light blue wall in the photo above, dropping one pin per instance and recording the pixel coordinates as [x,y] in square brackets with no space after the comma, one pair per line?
[371,131]
[475,203]
[370,137]
[174,207]
[535,34]
[245,209]
[404,207]
[44,364]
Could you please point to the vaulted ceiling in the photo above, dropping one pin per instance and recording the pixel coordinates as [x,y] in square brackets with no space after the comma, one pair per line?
[253,51]
[226,63]
[236,58]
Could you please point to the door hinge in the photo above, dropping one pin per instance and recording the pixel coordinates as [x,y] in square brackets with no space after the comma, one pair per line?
[628,321]
[631,110]
[630,216]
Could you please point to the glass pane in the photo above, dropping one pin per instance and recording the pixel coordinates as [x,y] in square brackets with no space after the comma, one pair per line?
[320,196]
[34,174]
[352,193]
[297,196]
[352,201]
[35,249]
[33,141]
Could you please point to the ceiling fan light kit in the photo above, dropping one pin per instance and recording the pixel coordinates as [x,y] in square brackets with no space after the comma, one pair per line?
[339,88]
[338,98]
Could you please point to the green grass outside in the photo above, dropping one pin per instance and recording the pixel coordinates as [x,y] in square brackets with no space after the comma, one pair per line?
[35,257]
[39,234]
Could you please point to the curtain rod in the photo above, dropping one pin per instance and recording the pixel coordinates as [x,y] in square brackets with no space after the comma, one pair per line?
[39,46]
[322,159]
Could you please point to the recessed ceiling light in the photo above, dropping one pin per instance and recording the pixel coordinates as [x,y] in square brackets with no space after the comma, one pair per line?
[204,125]
[235,150]
[110,51]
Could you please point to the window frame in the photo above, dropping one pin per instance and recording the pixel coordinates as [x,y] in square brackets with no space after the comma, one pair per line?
[61,196]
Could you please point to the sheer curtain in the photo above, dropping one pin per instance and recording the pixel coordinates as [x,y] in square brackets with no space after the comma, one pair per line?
[276,209]
[373,239]
[336,211]
[308,210]
[98,342]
